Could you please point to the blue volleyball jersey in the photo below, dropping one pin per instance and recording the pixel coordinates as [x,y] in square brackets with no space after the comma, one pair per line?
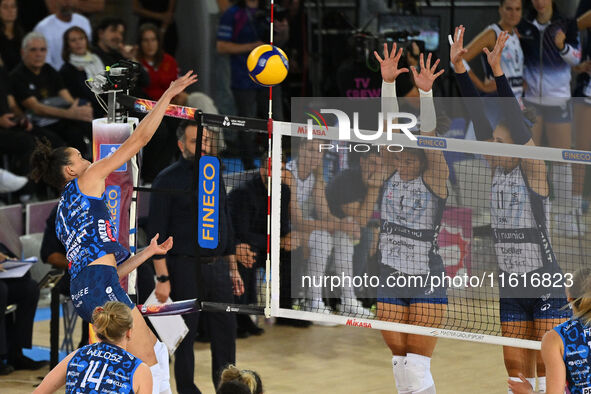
[101,368]
[576,338]
[84,225]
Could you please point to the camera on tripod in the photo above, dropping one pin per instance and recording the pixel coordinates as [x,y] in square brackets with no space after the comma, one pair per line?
[120,77]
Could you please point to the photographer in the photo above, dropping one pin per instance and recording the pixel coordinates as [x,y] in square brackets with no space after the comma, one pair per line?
[242,28]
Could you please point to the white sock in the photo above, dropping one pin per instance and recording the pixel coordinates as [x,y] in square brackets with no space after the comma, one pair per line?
[418,373]
[398,367]
[161,353]
[509,391]
[532,381]
[542,384]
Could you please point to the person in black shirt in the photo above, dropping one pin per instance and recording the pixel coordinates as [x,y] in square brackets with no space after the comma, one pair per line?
[40,89]
[171,215]
[161,14]
[16,132]
[11,34]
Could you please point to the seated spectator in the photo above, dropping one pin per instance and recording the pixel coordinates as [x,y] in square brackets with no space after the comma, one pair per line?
[53,27]
[79,65]
[250,378]
[108,45]
[16,132]
[16,334]
[11,34]
[40,89]
[161,14]
[162,68]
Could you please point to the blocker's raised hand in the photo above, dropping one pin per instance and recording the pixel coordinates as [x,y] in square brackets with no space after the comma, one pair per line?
[389,64]
[424,79]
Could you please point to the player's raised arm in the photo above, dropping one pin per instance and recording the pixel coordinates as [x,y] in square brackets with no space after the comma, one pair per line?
[140,137]
[437,172]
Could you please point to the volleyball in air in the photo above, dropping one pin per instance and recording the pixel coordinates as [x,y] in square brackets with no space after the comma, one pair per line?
[267,65]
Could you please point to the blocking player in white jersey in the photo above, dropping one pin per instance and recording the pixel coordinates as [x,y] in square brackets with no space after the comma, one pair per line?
[411,205]
[520,210]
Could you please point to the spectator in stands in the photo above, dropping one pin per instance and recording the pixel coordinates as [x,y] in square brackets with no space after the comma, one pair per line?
[177,272]
[550,44]
[162,68]
[40,89]
[16,132]
[109,46]
[250,378]
[36,10]
[11,34]
[17,334]
[80,64]
[53,27]
[54,253]
[352,195]
[161,14]
[310,217]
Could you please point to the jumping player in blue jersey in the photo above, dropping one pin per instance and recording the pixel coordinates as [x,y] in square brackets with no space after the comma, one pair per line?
[84,226]
[567,347]
[105,366]
[520,211]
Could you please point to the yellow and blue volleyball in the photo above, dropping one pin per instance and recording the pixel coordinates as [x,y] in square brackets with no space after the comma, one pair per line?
[267,65]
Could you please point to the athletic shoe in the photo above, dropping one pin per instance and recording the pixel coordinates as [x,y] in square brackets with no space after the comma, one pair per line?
[354,308]
[10,182]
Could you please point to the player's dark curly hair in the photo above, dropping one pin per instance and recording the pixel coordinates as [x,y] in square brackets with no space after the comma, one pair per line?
[48,164]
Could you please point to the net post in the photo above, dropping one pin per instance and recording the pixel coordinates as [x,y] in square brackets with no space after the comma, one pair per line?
[275,184]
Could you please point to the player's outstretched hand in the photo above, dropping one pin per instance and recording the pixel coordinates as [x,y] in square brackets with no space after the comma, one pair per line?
[181,83]
[522,387]
[457,50]
[424,79]
[389,64]
[163,248]
[494,57]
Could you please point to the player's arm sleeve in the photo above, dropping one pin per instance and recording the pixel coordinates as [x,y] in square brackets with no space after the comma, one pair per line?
[159,214]
[474,106]
[516,125]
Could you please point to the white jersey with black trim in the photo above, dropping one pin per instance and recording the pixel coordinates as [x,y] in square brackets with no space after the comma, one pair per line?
[519,221]
[511,61]
[304,190]
[410,218]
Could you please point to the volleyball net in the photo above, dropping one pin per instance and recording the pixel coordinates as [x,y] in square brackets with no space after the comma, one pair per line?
[437,236]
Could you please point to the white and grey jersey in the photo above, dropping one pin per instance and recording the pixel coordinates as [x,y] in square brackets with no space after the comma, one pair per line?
[519,221]
[511,61]
[304,190]
[410,216]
